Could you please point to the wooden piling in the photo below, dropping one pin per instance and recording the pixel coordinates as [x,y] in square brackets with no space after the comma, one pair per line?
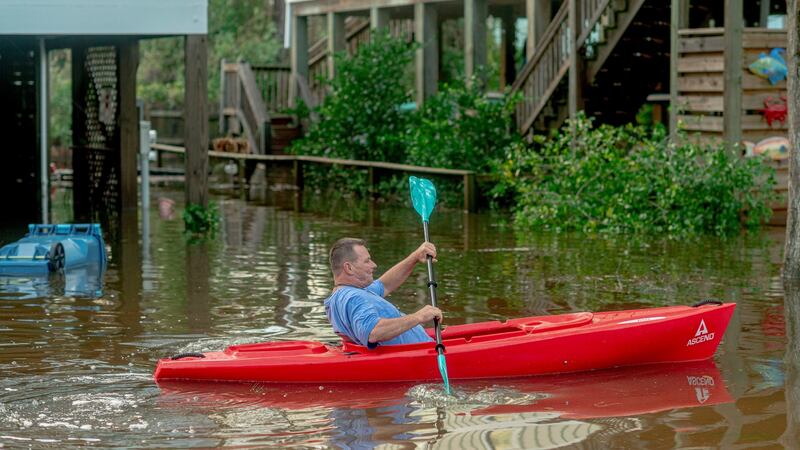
[196,113]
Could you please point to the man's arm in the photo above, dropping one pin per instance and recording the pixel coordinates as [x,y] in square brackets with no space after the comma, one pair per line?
[398,274]
[387,329]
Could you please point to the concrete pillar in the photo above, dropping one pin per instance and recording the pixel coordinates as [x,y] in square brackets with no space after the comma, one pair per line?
[427,57]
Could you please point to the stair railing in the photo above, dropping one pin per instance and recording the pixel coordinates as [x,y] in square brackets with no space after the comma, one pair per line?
[241,106]
[357,32]
[273,82]
[550,62]
[541,75]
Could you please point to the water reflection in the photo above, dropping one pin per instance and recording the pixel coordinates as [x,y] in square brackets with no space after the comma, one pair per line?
[550,411]
[86,281]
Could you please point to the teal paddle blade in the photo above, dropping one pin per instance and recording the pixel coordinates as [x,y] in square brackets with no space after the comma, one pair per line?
[423,196]
[443,371]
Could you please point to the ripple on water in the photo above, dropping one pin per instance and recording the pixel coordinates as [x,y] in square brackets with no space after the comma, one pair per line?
[433,395]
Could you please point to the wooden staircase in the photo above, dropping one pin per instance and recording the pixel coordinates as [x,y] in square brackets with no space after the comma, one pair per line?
[620,42]
[254,99]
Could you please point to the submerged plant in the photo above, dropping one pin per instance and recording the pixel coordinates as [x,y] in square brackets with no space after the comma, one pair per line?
[200,220]
[633,180]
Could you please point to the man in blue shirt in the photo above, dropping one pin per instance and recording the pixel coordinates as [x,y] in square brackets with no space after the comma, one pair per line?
[357,309]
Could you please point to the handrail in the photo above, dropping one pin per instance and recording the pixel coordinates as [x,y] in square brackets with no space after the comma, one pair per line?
[550,62]
[544,42]
[468,176]
[273,82]
[318,53]
[321,160]
[241,99]
[537,82]
[596,9]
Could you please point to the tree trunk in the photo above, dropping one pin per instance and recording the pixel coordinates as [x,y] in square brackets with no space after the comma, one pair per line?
[791,266]
[791,306]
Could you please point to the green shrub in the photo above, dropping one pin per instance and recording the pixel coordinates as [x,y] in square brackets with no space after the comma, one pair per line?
[200,220]
[628,179]
[461,128]
[359,118]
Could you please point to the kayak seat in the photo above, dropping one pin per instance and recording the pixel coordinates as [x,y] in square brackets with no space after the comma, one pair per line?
[553,323]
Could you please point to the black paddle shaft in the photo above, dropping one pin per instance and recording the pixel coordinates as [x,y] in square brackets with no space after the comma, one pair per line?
[432,287]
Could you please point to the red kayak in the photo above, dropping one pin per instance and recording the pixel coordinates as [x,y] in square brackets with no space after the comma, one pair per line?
[519,347]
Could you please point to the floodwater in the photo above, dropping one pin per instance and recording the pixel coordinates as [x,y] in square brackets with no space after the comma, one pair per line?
[77,352]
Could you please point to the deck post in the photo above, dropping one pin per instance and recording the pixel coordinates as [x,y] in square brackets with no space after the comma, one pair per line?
[576,74]
[470,205]
[298,56]
[128,122]
[508,69]
[372,181]
[538,14]
[299,183]
[764,14]
[379,18]
[475,14]
[196,116]
[732,100]
[427,57]
[337,41]
[679,19]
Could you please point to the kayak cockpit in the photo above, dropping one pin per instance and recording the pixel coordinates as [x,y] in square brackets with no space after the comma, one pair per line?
[516,327]
[482,332]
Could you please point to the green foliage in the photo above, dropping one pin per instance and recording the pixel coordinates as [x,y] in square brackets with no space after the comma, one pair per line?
[200,220]
[461,128]
[359,118]
[236,30]
[60,107]
[628,179]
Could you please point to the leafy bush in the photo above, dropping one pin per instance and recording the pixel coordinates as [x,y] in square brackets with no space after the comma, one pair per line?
[201,220]
[628,179]
[360,118]
[460,128]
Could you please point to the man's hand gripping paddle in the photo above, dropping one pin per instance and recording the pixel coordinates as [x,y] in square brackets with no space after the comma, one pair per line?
[423,197]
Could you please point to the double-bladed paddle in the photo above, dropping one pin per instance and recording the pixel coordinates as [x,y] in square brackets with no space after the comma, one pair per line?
[423,197]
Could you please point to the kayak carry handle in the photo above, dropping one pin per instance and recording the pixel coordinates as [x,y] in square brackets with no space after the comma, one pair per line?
[188,355]
[707,302]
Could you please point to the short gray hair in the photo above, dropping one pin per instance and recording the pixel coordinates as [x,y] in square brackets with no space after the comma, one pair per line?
[343,251]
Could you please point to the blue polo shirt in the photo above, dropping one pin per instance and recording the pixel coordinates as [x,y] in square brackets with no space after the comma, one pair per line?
[354,312]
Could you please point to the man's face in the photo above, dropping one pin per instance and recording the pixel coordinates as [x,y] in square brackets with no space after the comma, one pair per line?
[363,266]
